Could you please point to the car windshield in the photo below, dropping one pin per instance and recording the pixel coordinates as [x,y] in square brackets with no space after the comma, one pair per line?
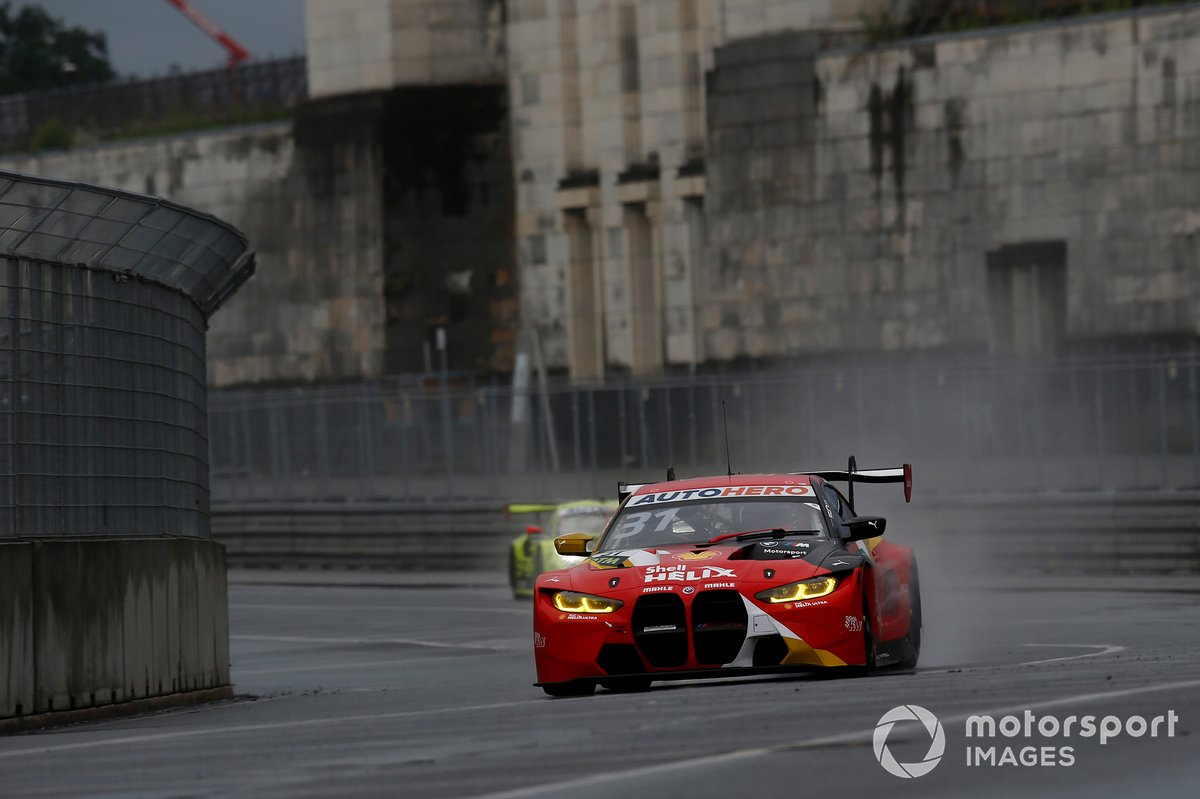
[662,524]
[591,522]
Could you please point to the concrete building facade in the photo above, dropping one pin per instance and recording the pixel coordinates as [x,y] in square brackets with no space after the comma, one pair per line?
[700,182]
[676,184]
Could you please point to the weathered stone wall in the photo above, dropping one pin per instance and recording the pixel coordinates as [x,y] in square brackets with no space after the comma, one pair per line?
[376,217]
[1024,189]
[936,157]
[313,212]
[365,45]
[610,139]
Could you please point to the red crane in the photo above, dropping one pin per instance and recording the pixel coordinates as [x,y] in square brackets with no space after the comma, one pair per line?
[237,53]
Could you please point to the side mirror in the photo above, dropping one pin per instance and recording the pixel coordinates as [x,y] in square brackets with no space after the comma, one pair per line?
[532,529]
[573,544]
[863,527]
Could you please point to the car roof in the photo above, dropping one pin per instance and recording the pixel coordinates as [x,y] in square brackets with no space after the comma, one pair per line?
[726,480]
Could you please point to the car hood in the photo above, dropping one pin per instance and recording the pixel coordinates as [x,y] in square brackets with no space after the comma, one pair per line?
[760,564]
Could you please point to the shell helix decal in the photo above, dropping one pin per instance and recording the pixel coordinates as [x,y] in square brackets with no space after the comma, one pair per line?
[685,574]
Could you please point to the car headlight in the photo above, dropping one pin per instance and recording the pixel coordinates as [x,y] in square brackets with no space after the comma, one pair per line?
[798,592]
[574,602]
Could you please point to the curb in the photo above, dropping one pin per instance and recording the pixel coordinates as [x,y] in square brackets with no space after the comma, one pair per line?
[135,707]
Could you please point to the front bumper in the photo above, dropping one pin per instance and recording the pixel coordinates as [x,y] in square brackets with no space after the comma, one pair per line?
[817,634]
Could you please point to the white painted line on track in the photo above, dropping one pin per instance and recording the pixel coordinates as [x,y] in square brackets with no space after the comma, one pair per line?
[857,737]
[340,665]
[1105,649]
[233,729]
[300,639]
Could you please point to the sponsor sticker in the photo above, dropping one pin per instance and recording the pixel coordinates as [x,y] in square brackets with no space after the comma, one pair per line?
[539,641]
[581,617]
[853,624]
[685,574]
[695,494]
[657,589]
[718,585]
[610,561]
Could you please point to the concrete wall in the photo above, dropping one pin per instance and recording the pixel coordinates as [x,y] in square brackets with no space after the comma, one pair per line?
[366,45]
[932,158]
[16,629]
[1022,189]
[313,211]
[371,230]
[90,623]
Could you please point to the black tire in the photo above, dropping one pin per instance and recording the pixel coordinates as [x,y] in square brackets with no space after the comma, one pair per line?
[913,639]
[627,685]
[868,641]
[559,689]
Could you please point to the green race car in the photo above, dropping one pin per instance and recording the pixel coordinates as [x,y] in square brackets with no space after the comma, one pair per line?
[533,552]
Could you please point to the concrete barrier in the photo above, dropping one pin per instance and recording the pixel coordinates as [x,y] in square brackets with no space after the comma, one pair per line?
[16,629]
[90,623]
[1050,531]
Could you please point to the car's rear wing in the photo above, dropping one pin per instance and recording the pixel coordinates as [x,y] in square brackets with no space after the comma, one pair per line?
[625,489]
[852,475]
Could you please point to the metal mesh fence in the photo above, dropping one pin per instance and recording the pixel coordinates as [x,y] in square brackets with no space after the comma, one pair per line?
[967,425]
[102,405]
[104,298]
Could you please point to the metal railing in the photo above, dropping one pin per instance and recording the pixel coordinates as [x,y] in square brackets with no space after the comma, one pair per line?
[976,424]
[111,109]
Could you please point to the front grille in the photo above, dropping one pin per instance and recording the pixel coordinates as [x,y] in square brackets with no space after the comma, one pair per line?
[718,626]
[660,630]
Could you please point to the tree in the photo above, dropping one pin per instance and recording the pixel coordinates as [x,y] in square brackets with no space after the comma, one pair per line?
[38,52]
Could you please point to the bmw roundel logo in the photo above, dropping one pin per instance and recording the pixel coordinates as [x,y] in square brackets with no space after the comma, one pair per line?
[689,589]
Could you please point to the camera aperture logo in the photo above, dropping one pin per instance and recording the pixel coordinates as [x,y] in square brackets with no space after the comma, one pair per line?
[937,743]
[1025,728]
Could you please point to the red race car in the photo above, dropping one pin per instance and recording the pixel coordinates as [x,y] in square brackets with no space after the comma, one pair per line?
[727,576]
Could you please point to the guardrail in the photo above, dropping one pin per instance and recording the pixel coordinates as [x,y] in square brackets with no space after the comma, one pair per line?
[364,535]
[1061,532]
[1053,532]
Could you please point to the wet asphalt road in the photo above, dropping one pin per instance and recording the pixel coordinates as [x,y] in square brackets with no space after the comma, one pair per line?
[427,692]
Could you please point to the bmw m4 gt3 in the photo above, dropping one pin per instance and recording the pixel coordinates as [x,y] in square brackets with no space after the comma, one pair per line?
[729,575]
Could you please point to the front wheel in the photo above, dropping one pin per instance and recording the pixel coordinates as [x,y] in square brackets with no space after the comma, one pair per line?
[868,641]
